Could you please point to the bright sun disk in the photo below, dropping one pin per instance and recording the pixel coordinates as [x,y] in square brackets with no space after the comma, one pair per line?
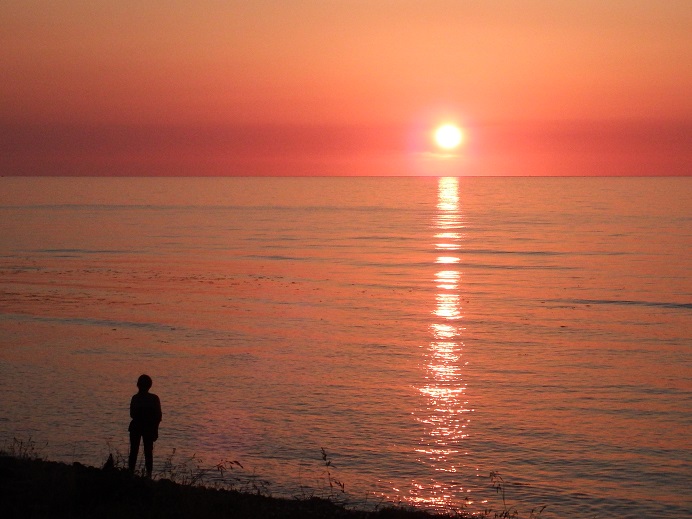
[448,136]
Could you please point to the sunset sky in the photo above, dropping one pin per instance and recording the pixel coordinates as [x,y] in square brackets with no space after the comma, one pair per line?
[323,87]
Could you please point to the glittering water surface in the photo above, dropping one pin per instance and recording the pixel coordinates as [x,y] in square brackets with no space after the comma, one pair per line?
[423,331]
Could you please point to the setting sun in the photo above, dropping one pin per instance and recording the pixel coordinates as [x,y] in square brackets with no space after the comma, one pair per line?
[448,136]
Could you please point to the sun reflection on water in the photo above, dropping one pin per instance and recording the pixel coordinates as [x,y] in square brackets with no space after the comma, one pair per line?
[444,413]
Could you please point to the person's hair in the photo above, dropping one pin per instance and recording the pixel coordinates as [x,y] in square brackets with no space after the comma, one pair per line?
[144,382]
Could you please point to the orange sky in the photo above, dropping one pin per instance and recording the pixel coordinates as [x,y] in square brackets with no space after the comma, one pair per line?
[345,87]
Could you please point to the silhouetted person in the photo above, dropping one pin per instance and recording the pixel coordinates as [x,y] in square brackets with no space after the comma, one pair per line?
[145,411]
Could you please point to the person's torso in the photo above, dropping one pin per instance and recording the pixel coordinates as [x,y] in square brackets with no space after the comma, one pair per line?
[145,409]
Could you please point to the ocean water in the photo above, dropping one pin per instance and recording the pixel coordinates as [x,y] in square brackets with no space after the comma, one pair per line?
[424,331]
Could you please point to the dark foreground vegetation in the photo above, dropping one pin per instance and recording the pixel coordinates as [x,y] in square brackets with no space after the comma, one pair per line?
[33,488]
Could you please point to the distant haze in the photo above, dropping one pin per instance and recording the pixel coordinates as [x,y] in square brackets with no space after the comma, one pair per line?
[345,88]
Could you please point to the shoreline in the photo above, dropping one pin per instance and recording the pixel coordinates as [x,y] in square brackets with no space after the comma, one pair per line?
[39,488]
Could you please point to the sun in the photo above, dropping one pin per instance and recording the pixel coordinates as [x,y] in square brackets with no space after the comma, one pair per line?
[448,136]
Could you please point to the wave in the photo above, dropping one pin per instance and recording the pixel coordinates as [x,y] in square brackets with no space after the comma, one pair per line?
[84,251]
[513,252]
[88,321]
[625,302]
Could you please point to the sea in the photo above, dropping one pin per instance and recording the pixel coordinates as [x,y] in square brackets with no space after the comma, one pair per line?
[473,343]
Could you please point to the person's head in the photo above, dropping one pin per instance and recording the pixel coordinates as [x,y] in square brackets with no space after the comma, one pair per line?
[144,383]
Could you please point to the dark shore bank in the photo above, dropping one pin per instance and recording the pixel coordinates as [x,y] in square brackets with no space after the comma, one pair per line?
[32,488]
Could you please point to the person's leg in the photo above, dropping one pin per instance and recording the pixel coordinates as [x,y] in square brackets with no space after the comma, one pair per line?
[134,451]
[148,454]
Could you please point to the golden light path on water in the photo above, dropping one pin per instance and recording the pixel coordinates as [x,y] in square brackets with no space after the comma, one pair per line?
[446,413]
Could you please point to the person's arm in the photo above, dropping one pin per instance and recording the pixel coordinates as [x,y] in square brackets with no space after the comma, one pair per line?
[159,414]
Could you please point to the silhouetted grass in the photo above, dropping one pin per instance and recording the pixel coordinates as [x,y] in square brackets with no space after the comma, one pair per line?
[507,511]
[31,487]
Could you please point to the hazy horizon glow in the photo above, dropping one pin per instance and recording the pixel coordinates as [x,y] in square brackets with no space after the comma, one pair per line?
[345,88]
